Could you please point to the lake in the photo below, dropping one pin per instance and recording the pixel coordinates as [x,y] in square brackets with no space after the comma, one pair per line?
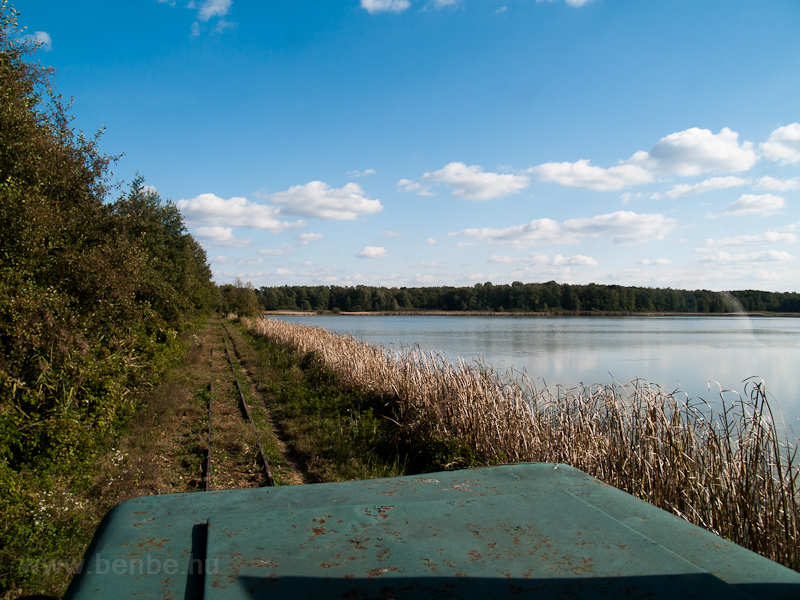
[686,354]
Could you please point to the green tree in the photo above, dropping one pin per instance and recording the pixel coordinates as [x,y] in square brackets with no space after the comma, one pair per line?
[175,280]
[240,299]
[91,296]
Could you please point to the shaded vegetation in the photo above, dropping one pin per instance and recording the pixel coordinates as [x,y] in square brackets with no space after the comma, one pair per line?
[340,431]
[239,298]
[93,296]
[550,298]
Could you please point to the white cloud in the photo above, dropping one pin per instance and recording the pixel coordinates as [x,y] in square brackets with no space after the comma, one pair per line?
[763,256]
[783,144]
[282,272]
[573,261]
[317,199]
[305,238]
[657,261]
[536,233]
[696,151]
[373,252]
[573,3]
[270,252]
[40,38]
[536,258]
[445,3]
[473,183]
[392,234]
[769,237]
[378,6]
[223,25]
[623,226]
[584,175]
[503,260]
[227,260]
[714,183]
[685,153]
[752,204]
[361,173]
[219,236]
[773,184]
[628,196]
[207,10]
[214,8]
[431,241]
[432,265]
[414,186]
[626,227]
[209,209]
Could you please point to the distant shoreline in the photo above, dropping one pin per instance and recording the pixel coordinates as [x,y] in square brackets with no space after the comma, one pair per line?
[470,313]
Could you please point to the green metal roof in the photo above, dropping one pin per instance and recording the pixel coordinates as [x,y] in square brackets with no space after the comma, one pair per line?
[493,532]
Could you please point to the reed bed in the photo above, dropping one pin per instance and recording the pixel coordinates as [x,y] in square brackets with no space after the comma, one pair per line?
[723,467]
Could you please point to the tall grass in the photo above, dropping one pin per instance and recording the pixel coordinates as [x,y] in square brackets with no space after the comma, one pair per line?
[722,468]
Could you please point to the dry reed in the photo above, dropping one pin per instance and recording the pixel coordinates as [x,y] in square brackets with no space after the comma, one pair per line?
[723,469]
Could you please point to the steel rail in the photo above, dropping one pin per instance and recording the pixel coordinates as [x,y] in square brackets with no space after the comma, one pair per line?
[270,481]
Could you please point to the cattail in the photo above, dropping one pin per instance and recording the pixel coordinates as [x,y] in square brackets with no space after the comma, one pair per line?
[725,469]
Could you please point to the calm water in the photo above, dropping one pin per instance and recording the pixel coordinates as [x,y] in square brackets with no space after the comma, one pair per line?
[676,353]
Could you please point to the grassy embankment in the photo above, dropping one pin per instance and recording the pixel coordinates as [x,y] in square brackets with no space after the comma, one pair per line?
[159,448]
[369,412]
[338,431]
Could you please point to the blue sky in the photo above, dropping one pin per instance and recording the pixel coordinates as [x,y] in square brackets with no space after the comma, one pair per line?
[444,142]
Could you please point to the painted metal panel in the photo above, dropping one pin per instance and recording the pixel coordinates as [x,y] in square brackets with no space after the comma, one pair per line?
[532,529]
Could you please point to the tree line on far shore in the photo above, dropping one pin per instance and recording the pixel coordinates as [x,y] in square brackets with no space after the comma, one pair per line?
[550,298]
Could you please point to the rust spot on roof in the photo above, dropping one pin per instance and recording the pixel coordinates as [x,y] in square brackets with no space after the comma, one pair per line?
[380,571]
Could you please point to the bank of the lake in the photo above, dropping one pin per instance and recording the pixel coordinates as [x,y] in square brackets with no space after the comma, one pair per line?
[725,471]
[696,356]
[490,313]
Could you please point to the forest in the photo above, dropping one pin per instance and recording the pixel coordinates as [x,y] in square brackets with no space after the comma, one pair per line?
[549,298]
[96,288]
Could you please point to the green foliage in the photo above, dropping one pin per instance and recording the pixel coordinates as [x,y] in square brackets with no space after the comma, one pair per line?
[550,297]
[347,433]
[173,279]
[92,296]
[240,299]
[340,433]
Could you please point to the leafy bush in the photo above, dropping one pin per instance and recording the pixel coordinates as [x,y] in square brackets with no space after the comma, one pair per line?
[240,299]
[92,297]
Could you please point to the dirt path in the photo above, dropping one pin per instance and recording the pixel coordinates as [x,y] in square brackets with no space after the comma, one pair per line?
[234,459]
[292,472]
[166,448]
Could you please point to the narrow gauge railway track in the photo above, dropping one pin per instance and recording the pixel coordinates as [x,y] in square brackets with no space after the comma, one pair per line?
[228,460]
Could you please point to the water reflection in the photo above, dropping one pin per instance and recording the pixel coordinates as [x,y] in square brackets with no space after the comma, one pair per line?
[676,353]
